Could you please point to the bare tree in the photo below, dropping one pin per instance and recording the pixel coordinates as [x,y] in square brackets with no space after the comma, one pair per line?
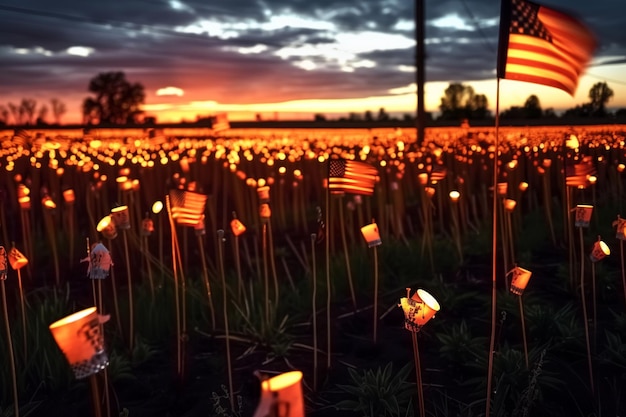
[27,108]
[42,114]
[15,112]
[4,115]
[58,110]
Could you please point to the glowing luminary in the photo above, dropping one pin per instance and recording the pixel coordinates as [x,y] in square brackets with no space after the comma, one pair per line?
[157,207]
[582,215]
[371,235]
[107,227]
[24,202]
[519,280]
[281,396]
[147,226]
[237,227]
[22,191]
[264,194]
[68,196]
[418,309]
[80,338]
[48,203]
[502,188]
[17,259]
[509,205]
[264,211]
[121,217]
[599,251]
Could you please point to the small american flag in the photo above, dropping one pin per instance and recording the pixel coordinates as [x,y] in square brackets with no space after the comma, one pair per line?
[542,45]
[438,173]
[187,207]
[355,177]
[577,175]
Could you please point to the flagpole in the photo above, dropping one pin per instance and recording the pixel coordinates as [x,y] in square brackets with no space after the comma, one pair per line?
[419,70]
[494,246]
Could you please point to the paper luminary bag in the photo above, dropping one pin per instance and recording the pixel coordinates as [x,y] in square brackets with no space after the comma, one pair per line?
[68,196]
[519,280]
[17,259]
[599,251]
[264,194]
[281,396]
[418,309]
[100,261]
[582,215]
[80,338]
[121,217]
[147,227]
[106,226]
[264,211]
[237,227]
[371,235]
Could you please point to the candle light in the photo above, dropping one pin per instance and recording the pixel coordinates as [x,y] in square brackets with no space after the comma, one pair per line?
[418,309]
[519,280]
[80,338]
[371,235]
[282,396]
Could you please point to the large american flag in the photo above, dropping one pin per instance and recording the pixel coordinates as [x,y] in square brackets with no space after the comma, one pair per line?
[355,177]
[542,45]
[187,207]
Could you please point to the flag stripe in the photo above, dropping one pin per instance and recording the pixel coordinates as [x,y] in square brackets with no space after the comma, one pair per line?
[187,208]
[542,45]
[541,52]
[356,177]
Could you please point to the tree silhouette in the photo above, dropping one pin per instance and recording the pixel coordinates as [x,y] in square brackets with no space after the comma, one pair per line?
[4,115]
[116,100]
[460,102]
[27,109]
[58,109]
[532,107]
[599,96]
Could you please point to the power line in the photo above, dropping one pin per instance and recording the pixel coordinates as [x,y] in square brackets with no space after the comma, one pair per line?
[101,22]
[478,28]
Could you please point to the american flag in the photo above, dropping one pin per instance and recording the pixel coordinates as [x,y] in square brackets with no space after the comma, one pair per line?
[355,177]
[438,173]
[187,207]
[542,45]
[577,175]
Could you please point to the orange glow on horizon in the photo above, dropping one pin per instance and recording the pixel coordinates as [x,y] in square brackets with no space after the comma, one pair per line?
[399,101]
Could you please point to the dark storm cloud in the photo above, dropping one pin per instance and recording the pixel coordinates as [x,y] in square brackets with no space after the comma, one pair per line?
[139,38]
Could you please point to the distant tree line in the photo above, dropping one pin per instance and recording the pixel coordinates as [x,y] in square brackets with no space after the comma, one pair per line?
[116,101]
[29,112]
[460,102]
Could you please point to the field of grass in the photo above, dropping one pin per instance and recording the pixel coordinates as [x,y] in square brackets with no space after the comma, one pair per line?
[197,313]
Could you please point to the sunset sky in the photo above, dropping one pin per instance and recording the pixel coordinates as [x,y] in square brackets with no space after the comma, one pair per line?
[280,58]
